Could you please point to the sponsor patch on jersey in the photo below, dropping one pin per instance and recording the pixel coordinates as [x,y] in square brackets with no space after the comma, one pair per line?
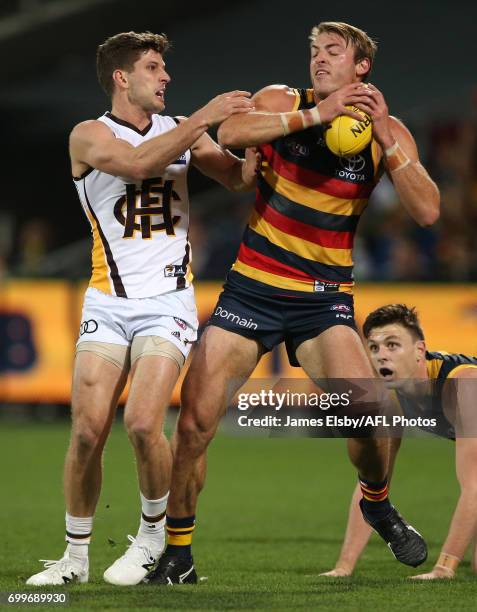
[172,270]
[298,149]
[341,307]
[324,286]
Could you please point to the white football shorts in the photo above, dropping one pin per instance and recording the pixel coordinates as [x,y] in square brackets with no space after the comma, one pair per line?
[117,320]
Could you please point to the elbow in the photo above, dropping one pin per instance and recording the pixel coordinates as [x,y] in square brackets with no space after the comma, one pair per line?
[141,171]
[429,218]
[431,214]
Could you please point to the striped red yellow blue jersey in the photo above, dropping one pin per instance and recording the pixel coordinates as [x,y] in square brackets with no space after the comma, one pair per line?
[440,367]
[300,235]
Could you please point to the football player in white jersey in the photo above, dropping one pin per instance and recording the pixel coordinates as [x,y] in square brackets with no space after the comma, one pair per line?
[139,314]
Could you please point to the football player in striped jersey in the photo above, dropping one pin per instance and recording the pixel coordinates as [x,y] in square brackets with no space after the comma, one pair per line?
[442,387]
[293,277]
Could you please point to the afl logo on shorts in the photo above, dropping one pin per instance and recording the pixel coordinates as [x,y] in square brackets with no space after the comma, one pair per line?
[341,308]
[182,324]
[88,327]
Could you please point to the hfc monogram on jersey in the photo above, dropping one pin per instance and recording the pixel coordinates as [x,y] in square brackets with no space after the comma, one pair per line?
[136,209]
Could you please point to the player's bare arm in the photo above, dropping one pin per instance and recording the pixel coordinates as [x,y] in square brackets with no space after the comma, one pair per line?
[223,166]
[463,525]
[93,145]
[273,116]
[416,190]
[358,531]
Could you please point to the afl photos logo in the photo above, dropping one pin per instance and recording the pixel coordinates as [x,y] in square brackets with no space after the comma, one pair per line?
[136,209]
[352,168]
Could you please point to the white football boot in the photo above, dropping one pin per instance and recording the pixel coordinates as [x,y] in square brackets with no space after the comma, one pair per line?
[137,561]
[63,571]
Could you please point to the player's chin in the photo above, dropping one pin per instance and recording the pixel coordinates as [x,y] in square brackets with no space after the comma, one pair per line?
[323,87]
[392,383]
[157,104]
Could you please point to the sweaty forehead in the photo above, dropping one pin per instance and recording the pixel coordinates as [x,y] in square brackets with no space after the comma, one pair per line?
[329,38]
[380,334]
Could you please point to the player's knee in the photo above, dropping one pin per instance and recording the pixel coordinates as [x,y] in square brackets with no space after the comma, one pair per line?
[193,433]
[142,432]
[88,436]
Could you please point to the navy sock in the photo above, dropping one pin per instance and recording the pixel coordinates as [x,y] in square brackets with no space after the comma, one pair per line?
[179,532]
[375,502]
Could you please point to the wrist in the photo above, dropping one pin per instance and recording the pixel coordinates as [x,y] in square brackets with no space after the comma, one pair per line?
[200,120]
[345,567]
[447,564]
[300,120]
[395,158]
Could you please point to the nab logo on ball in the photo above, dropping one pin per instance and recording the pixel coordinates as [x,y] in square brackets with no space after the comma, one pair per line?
[346,136]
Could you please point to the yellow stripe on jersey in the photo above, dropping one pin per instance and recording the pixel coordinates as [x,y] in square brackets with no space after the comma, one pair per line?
[433,367]
[310,197]
[281,282]
[459,368]
[376,159]
[100,277]
[299,246]
[296,104]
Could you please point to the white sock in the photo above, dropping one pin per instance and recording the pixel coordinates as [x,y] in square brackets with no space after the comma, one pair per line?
[78,535]
[152,531]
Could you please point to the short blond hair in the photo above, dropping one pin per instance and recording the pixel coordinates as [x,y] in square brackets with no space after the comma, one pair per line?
[364,46]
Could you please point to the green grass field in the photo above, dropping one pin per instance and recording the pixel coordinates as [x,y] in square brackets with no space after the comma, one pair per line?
[270,519]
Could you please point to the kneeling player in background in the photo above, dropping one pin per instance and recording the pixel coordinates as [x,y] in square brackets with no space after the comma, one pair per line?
[426,383]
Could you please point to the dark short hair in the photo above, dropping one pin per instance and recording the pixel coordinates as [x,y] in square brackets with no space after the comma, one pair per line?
[394,313]
[364,46]
[122,51]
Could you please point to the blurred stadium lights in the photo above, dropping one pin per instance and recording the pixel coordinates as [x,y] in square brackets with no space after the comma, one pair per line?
[24,15]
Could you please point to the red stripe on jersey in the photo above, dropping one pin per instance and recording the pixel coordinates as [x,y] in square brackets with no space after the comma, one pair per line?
[255,259]
[325,238]
[314,180]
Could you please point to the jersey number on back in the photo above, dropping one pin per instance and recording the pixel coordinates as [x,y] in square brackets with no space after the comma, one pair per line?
[136,209]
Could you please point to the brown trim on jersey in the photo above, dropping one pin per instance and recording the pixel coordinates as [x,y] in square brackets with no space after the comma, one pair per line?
[117,282]
[131,126]
[84,175]
[181,281]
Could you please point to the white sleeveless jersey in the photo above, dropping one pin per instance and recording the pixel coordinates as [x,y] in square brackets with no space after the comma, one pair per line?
[140,228]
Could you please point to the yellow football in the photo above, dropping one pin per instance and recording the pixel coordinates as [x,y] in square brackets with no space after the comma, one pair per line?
[347,136]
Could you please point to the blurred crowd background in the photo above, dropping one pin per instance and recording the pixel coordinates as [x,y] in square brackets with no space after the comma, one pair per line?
[49,59]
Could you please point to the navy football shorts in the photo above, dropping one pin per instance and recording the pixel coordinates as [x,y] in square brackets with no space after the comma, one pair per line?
[272,319]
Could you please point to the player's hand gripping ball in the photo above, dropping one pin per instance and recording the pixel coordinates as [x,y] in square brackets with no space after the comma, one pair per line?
[347,136]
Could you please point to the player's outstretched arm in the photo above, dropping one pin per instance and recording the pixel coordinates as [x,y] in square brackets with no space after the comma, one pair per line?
[358,531]
[273,116]
[463,525]
[223,166]
[416,190]
[93,145]
[356,537]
